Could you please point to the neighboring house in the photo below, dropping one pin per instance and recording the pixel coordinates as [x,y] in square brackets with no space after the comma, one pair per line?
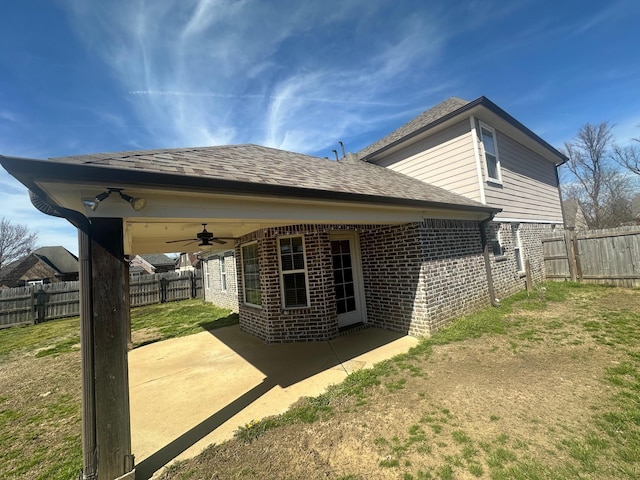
[151,263]
[574,217]
[43,265]
[635,208]
[188,262]
[433,221]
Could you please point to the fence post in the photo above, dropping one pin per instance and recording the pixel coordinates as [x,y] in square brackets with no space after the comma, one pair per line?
[576,255]
[164,284]
[571,260]
[529,278]
[41,305]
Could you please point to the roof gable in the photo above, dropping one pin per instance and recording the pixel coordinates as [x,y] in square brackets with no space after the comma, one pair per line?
[59,258]
[453,108]
[423,120]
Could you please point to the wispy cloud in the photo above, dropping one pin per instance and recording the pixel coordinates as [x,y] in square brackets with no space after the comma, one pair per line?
[221,71]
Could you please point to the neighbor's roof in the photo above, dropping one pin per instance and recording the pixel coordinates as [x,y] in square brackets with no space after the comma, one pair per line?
[450,108]
[254,169]
[59,258]
[158,259]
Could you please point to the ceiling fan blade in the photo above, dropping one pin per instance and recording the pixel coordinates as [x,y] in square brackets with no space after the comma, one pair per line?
[217,240]
[183,240]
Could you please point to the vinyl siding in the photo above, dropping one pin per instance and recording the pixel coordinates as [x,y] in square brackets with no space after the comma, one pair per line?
[445,160]
[529,190]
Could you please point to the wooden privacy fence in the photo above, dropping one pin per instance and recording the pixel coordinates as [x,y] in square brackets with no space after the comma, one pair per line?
[594,256]
[39,303]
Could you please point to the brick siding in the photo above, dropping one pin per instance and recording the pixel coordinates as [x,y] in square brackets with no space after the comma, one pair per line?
[506,278]
[212,281]
[417,277]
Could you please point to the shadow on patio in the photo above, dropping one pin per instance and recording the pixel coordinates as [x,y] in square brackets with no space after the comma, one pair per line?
[189,392]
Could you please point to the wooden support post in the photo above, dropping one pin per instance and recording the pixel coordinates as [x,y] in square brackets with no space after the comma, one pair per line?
[110,329]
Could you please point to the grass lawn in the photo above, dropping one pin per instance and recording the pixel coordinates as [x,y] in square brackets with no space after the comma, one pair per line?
[40,418]
[546,387]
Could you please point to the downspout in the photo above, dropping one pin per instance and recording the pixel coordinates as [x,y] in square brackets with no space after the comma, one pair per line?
[487,260]
[89,447]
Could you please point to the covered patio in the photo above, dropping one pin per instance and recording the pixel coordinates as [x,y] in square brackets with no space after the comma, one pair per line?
[156,201]
[213,382]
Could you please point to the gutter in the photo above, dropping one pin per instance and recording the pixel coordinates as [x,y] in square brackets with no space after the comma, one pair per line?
[89,443]
[487,260]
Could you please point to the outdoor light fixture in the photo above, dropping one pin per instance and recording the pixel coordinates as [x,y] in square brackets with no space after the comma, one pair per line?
[136,203]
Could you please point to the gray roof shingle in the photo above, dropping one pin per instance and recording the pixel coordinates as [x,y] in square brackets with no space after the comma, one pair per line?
[254,164]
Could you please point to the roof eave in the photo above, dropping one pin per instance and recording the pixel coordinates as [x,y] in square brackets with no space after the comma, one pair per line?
[467,108]
[23,169]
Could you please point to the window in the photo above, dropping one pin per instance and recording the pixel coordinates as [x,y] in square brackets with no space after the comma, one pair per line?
[293,274]
[491,159]
[251,274]
[517,246]
[223,275]
[205,265]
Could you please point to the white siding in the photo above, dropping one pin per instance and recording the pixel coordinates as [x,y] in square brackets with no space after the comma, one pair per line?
[445,160]
[529,190]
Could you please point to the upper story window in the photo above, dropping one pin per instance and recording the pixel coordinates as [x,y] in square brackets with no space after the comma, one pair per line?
[293,272]
[491,158]
[251,274]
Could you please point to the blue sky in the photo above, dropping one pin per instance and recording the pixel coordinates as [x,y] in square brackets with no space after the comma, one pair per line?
[82,76]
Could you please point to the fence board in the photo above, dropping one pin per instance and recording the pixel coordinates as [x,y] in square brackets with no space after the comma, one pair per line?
[609,256]
[30,304]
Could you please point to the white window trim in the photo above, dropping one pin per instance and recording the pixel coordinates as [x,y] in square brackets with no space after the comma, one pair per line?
[476,154]
[223,273]
[484,154]
[304,270]
[517,247]
[244,287]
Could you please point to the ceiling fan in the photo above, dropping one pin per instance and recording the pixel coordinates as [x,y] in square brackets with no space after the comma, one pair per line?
[204,237]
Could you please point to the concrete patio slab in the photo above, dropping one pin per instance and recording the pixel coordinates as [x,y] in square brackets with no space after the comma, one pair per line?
[187,393]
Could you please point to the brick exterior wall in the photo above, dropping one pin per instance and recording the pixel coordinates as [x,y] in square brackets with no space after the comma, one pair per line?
[273,323]
[212,281]
[506,278]
[417,277]
[420,276]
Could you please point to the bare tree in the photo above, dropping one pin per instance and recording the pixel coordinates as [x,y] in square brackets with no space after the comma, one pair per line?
[629,156]
[15,241]
[603,192]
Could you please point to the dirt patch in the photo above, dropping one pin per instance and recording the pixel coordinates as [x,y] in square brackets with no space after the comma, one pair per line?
[466,408]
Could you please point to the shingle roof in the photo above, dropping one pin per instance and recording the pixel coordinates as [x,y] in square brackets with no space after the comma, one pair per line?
[59,258]
[158,259]
[254,164]
[450,105]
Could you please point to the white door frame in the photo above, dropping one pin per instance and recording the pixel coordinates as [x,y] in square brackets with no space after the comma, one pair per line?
[360,313]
